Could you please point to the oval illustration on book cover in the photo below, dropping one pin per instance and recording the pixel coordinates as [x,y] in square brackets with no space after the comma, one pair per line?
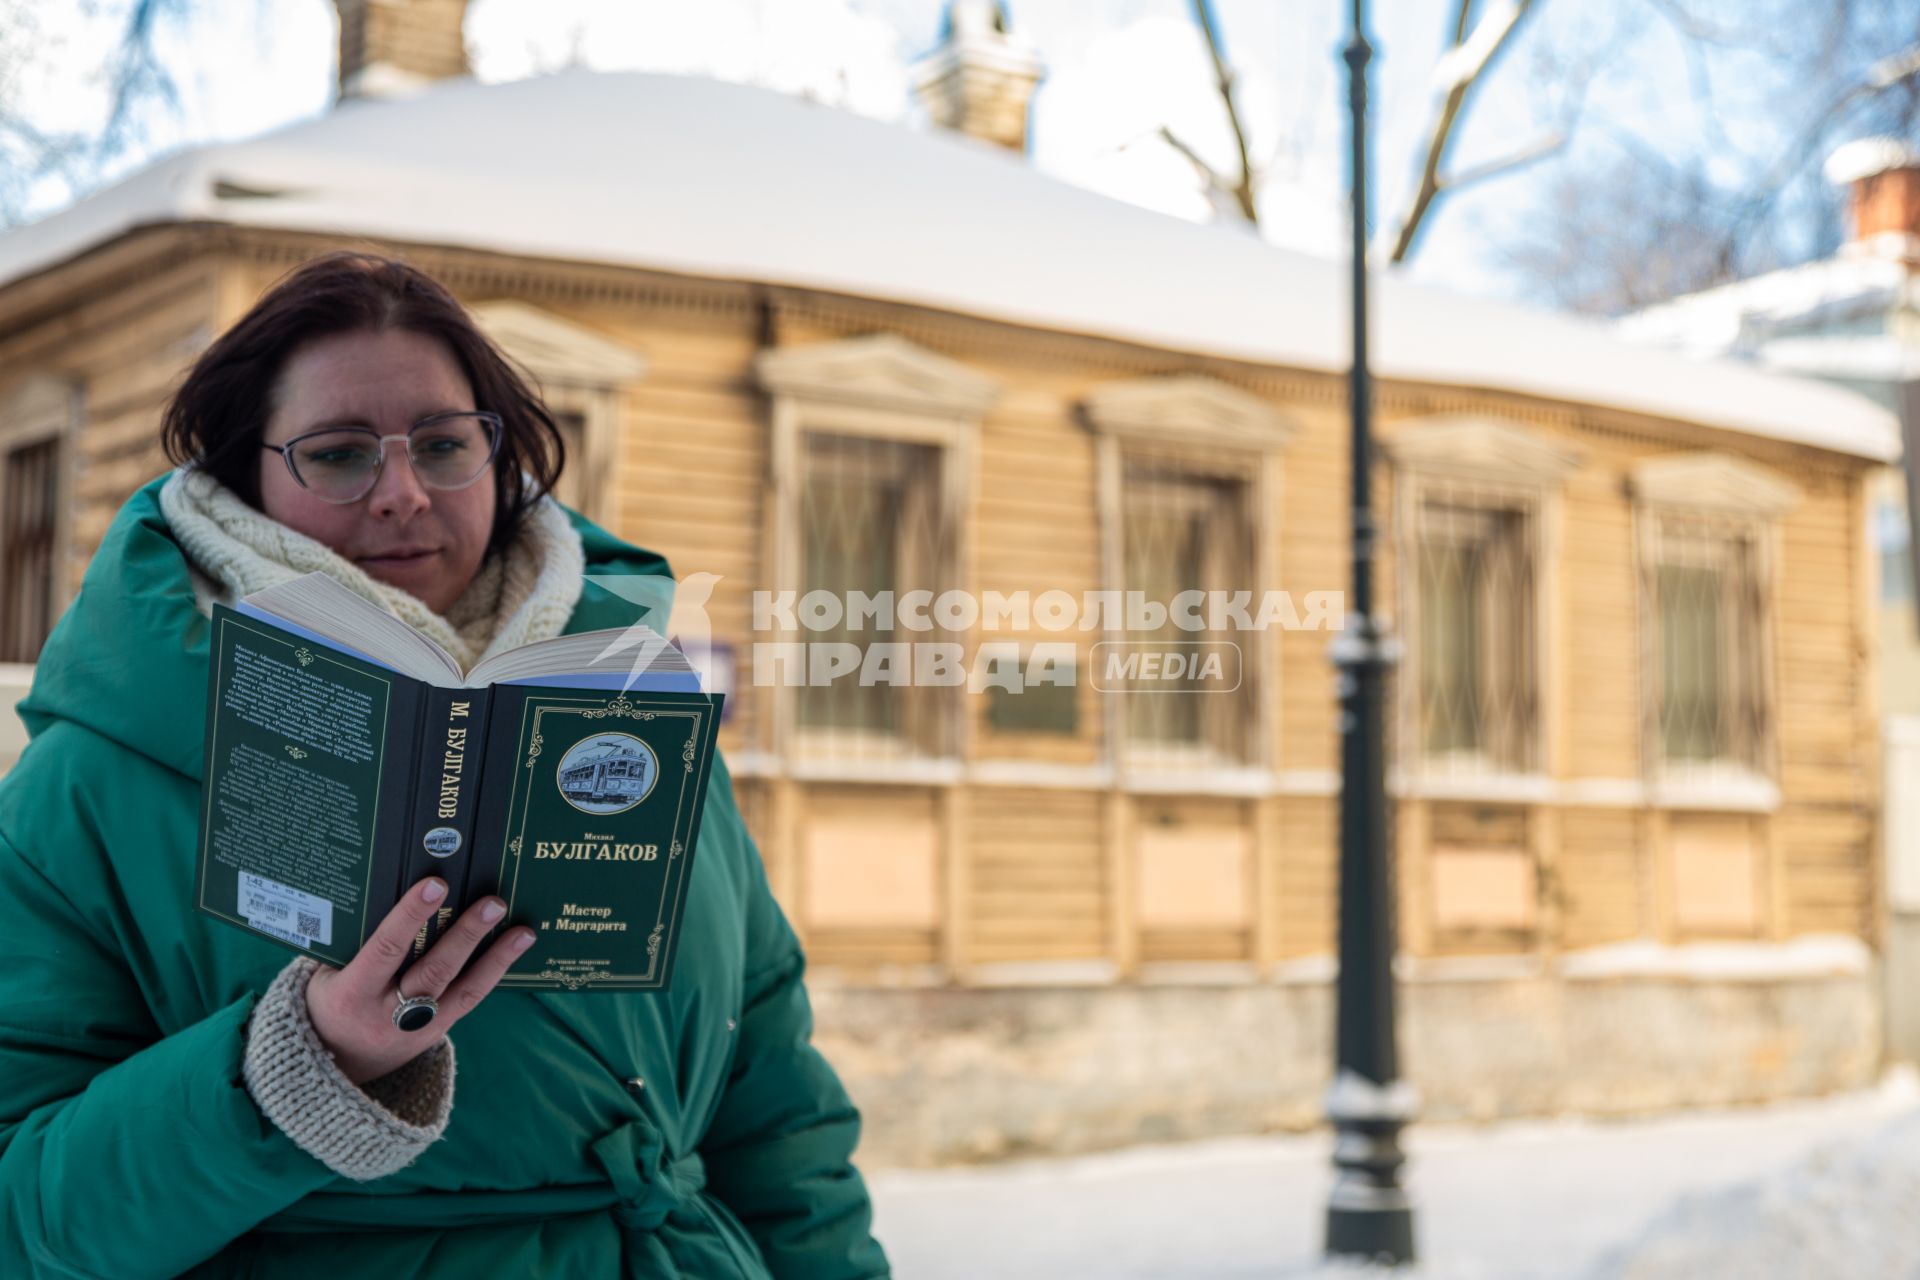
[607,773]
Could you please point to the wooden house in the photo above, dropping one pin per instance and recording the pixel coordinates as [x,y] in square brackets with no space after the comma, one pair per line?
[1634,748]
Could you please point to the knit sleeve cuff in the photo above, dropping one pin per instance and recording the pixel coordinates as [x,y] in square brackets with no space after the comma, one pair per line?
[358,1131]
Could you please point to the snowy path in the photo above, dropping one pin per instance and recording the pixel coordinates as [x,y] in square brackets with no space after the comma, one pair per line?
[1534,1201]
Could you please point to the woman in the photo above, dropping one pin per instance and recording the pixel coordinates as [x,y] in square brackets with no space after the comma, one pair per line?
[175,1096]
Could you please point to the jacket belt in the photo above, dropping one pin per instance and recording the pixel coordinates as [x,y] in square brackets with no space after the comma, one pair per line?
[649,1182]
[644,1185]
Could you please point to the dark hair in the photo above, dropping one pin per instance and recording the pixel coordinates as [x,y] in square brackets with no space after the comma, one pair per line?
[215,420]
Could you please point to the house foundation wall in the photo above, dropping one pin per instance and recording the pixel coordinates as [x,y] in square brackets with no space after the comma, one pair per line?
[946,1075]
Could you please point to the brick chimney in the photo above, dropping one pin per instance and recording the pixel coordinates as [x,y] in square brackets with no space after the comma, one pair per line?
[1883,199]
[390,47]
[980,78]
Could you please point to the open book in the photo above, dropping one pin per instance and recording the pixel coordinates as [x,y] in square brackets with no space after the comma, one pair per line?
[348,757]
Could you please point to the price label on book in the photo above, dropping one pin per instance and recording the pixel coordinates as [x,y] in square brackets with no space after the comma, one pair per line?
[281,909]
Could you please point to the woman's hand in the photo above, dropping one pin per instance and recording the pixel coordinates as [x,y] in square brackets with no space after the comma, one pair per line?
[352,1007]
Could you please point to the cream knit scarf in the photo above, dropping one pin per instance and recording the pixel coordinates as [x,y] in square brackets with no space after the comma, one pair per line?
[526,594]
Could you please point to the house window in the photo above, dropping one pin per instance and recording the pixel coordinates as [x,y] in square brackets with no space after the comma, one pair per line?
[572,487]
[1475,610]
[1185,531]
[1189,472]
[29,491]
[581,374]
[1706,527]
[871,462]
[1475,501]
[1047,700]
[1709,619]
[37,418]
[870,524]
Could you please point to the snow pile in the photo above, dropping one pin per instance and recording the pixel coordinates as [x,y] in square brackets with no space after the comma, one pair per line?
[1810,956]
[1842,1211]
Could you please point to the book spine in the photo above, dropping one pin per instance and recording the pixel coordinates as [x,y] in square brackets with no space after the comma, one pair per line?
[446,794]
[501,762]
[496,763]
[392,819]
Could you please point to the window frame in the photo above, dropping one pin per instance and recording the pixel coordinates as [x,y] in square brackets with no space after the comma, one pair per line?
[1213,430]
[1527,508]
[593,468]
[1241,469]
[44,408]
[577,370]
[920,710]
[1746,504]
[885,388]
[1486,463]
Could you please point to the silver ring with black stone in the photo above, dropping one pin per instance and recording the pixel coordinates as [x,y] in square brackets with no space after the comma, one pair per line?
[414,1012]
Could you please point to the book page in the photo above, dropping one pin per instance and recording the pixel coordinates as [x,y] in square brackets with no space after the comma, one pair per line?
[623,652]
[318,604]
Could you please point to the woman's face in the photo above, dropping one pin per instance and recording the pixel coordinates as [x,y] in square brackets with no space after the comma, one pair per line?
[428,542]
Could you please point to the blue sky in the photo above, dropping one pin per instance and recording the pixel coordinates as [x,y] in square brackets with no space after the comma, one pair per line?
[1117,70]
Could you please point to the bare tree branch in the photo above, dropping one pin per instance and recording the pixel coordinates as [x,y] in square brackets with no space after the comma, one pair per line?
[1533,153]
[1241,191]
[134,78]
[1888,73]
[1460,68]
[1207,172]
[1693,27]
[1696,37]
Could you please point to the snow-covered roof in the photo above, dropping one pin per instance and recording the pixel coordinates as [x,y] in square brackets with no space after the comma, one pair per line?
[1830,294]
[726,181]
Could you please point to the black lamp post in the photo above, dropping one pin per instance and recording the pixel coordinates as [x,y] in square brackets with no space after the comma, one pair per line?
[1368,1214]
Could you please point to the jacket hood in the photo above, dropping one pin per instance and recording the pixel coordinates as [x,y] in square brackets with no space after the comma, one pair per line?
[128,660]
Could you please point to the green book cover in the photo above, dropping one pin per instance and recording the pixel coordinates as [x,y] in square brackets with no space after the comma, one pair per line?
[336,778]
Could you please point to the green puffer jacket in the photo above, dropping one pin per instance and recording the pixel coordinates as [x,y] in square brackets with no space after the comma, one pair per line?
[130,1147]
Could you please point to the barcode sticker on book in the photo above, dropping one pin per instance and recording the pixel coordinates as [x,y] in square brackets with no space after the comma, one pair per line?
[285,912]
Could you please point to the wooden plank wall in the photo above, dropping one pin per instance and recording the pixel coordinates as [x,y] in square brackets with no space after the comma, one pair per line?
[126,345]
[1604,873]
[1038,875]
[1314,556]
[1040,862]
[1602,613]
[1826,821]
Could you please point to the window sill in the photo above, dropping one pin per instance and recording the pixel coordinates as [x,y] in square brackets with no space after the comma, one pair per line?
[1485,788]
[1719,793]
[1215,779]
[1726,791]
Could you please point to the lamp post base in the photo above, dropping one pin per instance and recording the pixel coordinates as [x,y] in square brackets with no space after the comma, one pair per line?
[1369,1217]
[1382,1235]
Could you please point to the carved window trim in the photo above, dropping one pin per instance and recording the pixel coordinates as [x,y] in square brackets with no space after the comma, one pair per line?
[1743,504]
[1210,430]
[40,409]
[580,372]
[887,388]
[1480,461]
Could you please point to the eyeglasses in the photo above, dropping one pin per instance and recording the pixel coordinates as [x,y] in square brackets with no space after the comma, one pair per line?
[342,464]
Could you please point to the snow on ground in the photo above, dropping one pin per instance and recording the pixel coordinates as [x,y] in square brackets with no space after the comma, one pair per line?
[1826,1189]
[1848,1209]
